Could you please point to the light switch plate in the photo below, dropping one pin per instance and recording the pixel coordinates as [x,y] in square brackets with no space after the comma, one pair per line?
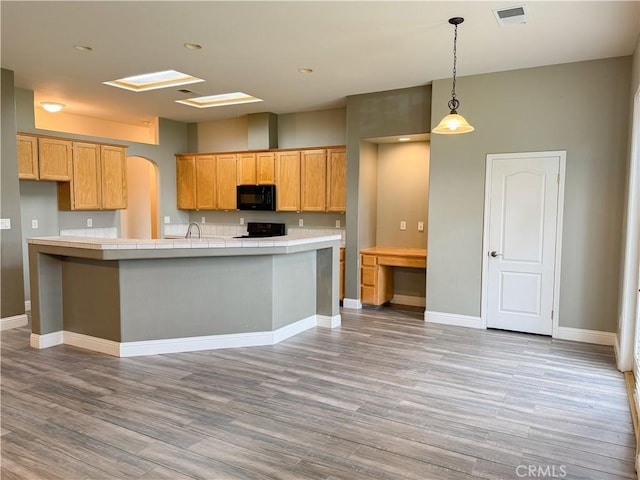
[403,225]
[300,222]
[89,222]
[167,219]
[241,220]
[337,223]
[421,226]
[34,224]
[5,224]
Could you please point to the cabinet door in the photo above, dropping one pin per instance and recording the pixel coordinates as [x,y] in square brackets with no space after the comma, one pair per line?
[313,183]
[27,157]
[266,171]
[288,181]
[55,157]
[206,182]
[86,183]
[226,181]
[247,169]
[114,177]
[186,181]
[336,180]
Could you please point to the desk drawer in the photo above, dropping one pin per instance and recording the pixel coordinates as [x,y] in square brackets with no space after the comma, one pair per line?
[403,262]
[369,260]
[368,276]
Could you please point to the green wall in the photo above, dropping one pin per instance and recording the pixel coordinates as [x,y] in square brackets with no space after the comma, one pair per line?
[12,291]
[582,108]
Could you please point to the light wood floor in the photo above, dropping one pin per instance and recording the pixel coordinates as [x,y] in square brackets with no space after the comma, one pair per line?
[385,396]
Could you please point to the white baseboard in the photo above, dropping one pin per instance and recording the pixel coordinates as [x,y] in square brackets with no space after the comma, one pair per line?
[27,305]
[411,300]
[47,340]
[329,322]
[13,322]
[352,303]
[586,336]
[188,344]
[453,319]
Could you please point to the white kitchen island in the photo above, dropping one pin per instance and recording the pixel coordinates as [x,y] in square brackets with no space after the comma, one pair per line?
[128,297]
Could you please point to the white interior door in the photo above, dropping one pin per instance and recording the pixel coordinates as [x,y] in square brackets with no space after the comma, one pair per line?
[521,241]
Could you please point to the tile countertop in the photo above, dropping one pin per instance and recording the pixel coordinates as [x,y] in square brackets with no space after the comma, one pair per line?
[181,243]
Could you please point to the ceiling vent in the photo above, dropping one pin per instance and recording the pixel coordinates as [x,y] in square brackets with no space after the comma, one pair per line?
[512,16]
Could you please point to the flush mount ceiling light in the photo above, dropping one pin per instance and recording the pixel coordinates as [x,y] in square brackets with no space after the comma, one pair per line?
[52,107]
[454,123]
[305,70]
[83,48]
[219,100]
[404,139]
[153,81]
[193,46]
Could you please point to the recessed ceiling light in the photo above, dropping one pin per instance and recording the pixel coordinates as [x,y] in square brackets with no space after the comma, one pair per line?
[404,139]
[52,106]
[219,100]
[153,81]
[192,46]
[305,70]
[83,48]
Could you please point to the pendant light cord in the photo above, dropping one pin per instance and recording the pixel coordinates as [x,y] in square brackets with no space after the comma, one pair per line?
[455,60]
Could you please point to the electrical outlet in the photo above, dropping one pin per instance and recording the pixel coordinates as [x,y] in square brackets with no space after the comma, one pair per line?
[34,224]
[89,222]
[403,225]
[421,226]
[241,220]
[167,219]
[300,222]
[202,220]
[337,223]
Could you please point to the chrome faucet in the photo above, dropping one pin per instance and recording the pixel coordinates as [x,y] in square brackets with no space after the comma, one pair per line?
[193,224]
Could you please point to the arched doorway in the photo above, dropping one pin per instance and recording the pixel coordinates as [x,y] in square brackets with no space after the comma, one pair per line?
[140,219]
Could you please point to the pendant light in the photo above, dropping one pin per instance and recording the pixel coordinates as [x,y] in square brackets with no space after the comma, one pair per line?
[454,122]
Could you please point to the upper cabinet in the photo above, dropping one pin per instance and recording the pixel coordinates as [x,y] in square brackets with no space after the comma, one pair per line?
[307,180]
[98,179]
[288,181]
[186,181]
[28,157]
[336,180]
[313,180]
[265,168]
[44,158]
[226,181]
[90,176]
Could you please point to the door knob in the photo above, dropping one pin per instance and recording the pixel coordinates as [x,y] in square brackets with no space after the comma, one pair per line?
[495,254]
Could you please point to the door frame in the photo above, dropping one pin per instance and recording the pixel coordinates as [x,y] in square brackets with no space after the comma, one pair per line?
[562,154]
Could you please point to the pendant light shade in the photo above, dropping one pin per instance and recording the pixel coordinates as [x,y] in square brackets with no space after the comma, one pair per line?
[454,122]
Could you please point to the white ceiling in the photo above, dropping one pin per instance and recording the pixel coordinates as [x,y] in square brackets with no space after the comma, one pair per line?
[257,47]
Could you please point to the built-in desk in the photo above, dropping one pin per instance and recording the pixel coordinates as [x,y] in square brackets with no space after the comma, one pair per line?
[376,270]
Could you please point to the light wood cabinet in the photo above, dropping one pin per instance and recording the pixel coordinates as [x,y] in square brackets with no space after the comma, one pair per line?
[27,157]
[376,270]
[226,181]
[44,158]
[313,180]
[84,192]
[288,181]
[336,180]
[186,181]
[265,168]
[55,158]
[206,182]
[114,177]
[246,164]
[98,179]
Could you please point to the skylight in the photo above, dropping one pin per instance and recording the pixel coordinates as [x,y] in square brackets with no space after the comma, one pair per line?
[219,100]
[153,81]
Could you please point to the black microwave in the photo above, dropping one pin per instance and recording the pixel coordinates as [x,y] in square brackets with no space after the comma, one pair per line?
[256,197]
